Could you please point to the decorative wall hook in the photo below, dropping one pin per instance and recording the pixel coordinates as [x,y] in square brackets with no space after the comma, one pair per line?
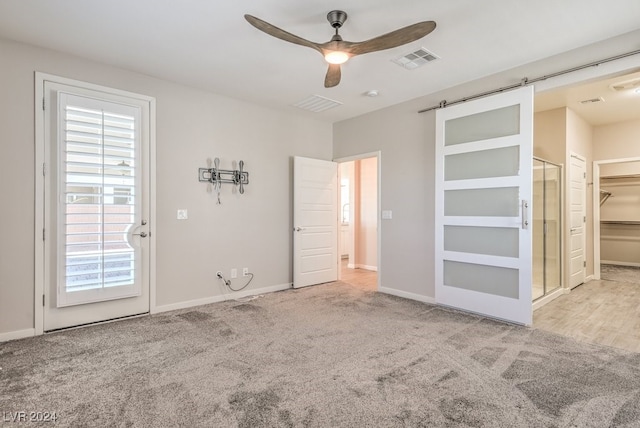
[216,176]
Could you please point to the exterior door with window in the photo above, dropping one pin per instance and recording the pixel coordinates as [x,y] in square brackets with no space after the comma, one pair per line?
[483,196]
[96,206]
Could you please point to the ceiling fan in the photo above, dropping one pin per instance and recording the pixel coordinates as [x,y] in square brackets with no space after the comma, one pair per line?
[337,51]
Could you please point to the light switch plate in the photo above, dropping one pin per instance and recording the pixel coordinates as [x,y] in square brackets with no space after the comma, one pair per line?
[182,215]
[387,214]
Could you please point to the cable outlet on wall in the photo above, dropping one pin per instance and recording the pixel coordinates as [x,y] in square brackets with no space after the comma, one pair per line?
[182,215]
[245,271]
[234,273]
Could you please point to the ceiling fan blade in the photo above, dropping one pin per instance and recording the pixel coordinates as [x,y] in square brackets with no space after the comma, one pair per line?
[333,76]
[393,39]
[279,33]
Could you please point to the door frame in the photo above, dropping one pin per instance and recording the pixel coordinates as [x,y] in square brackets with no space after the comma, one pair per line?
[378,156]
[596,209]
[40,276]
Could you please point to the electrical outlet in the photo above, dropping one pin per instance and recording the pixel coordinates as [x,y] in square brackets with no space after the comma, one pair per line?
[234,273]
[182,215]
[245,271]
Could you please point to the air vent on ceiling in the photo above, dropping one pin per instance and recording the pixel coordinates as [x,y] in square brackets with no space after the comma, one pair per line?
[592,100]
[625,85]
[316,104]
[416,59]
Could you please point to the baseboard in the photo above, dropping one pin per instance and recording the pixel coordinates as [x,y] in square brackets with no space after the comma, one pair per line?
[550,297]
[351,266]
[612,262]
[18,334]
[588,278]
[367,267]
[220,298]
[407,295]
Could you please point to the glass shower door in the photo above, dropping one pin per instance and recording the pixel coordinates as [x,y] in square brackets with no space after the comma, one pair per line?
[552,220]
[546,272]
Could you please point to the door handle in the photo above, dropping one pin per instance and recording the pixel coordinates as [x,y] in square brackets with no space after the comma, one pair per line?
[141,234]
[298,229]
[525,214]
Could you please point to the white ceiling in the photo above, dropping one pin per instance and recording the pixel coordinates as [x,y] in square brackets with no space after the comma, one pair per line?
[616,106]
[207,43]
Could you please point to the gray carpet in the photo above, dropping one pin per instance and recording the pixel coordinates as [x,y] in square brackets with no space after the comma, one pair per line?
[325,356]
[620,273]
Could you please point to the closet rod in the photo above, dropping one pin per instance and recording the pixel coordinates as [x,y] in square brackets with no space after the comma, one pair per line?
[525,81]
[611,177]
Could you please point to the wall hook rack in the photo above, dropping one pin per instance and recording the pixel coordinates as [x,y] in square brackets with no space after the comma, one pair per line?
[216,176]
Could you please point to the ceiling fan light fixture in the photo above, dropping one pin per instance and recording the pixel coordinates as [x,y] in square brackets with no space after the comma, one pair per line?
[336,57]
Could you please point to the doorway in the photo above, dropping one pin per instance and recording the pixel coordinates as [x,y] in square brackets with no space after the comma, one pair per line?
[617,229]
[94,259]
[601,307]
[358,221]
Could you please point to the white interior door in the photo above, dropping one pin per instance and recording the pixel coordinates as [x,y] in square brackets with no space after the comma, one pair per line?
[483,200]
[96,206]
[315,221]
[577,219]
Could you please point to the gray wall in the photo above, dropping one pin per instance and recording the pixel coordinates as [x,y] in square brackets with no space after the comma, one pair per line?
[406,140]
[252,230]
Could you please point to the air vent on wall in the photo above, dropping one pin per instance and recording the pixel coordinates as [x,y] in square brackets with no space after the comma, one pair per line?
[316,104]
[592,100]
[625,85]
[416,59]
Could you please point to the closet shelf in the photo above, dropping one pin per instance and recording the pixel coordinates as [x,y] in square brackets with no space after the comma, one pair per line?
[625,222]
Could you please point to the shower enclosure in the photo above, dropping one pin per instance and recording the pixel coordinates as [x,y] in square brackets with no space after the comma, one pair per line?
[547,219]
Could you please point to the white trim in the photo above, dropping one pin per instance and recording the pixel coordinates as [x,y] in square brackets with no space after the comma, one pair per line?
[18,334]
[407,295]
[367,267]
[549,297]
[596,211]
[378,156]
[220,298]
[38,261]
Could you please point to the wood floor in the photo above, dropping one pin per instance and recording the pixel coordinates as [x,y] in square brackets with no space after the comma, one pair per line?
[362,278]
[605,312]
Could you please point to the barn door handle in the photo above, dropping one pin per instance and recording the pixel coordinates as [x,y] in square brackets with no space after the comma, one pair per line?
[525,214]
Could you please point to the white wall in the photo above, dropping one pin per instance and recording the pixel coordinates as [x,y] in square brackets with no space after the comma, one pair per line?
[251,230]
[550,136]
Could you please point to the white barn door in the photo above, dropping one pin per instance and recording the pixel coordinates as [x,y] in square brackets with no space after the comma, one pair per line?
[483,204]
[315,221]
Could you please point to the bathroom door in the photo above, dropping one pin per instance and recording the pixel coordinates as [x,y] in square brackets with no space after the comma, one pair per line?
[483,206]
